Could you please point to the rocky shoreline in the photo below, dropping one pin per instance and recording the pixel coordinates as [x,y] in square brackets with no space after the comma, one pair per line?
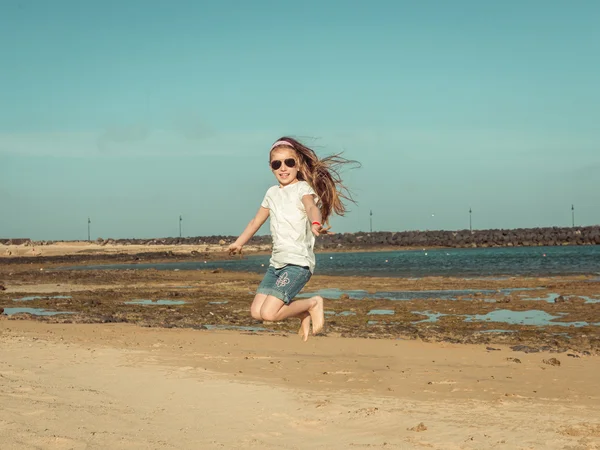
[520,237]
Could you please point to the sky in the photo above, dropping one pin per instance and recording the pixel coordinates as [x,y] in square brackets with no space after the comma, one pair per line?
[136,112]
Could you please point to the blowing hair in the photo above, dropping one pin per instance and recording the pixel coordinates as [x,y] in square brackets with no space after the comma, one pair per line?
[323,176]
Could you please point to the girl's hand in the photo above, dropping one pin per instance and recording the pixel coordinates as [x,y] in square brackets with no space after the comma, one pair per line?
[235,248]
[317,229]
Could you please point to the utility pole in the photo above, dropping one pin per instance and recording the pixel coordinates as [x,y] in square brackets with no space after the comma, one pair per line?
[89,222]
[470,220]
[180,219]
[371,220]
[573,215]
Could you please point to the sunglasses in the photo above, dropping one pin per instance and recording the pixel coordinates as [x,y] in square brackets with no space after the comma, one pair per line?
[289,162]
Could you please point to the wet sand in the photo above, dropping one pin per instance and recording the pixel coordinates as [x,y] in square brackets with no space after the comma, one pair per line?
[120,375]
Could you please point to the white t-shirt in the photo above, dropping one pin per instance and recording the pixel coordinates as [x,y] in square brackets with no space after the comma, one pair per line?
[293,240]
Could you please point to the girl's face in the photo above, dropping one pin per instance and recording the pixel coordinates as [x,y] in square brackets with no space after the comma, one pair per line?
[281,160]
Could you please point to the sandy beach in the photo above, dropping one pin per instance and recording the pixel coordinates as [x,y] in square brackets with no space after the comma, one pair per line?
[134,376]
[82,248]
[122,386]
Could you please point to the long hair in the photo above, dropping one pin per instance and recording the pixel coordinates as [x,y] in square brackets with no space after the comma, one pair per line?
[323,176]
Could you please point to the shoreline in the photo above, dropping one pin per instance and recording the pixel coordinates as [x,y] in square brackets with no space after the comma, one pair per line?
[84,251]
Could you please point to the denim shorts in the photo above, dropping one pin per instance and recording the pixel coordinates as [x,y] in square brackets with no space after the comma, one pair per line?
[284,283]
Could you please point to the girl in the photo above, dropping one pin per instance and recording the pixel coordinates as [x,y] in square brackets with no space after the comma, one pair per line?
[309,189]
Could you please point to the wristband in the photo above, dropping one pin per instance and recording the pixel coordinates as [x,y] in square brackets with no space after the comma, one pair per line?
[316,223]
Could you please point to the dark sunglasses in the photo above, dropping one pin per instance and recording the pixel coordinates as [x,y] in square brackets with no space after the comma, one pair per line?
[289,162]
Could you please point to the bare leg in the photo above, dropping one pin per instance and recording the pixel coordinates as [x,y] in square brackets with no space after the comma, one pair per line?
[317,314]
[257,304]
[304,329]
[304,317]
[274,309]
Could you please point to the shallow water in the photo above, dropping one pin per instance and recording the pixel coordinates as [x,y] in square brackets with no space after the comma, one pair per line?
[550,298]
[34,311]
[381,312]
[449,294]
[431,317]
[340,314]
[531,317]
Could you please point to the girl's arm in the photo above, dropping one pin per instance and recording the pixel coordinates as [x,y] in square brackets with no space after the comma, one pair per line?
[261,217]
[313,213]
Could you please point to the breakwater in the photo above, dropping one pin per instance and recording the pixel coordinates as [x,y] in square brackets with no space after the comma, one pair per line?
[519,237]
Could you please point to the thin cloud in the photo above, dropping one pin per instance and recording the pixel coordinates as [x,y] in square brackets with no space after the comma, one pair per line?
[476,143]
[132,141]
[191,126]
[122,134]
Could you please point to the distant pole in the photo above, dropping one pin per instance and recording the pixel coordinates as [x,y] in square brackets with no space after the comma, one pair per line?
[573,215]
[470,220]
[180,219]
[371,220]
[89,222]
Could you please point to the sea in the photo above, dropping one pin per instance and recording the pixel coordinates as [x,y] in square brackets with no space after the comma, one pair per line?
[463,263]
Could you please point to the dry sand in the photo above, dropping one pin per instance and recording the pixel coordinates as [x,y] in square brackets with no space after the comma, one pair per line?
[73,386]
[90,248]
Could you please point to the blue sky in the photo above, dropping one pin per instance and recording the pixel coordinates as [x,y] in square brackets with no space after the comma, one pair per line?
[134,112]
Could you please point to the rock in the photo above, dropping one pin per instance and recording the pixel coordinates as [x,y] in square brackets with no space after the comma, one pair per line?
[218,270]
[1,310]
[418,428]
[515,360]
[344,297]
[490,349]
[551,362]
[2,288]
[524,348]
[222,242]
[559,299]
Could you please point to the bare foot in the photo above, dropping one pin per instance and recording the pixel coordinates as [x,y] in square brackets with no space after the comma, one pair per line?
[304,329]
[317,315]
